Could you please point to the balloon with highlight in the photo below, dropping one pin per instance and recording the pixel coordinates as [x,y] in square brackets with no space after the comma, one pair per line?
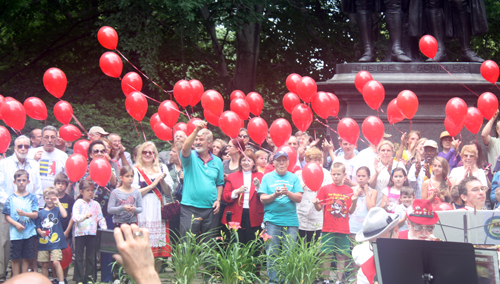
[290,100]
[63,111]
[70,133]
[237,94]
[163,132]
[241,108]
[302,117]
[487,103]
[13,113]
[313,175]
[373,94]
[306,88]
[394,114]
[335,104]
[198,91]
[191,125]
[108,37]
[183,93]
[212,100]
[4,139]
[322,104]
[348,130]
[111,64]
[100,171]
[168,112]
[280,131]
[81,147]
[473,120]
[456,110]
[257,130]
[55,82]
[180,126]
[76,167]
[211,118]
[136,105]
[451,127]
[255,103]
[131,82]
[407,103]
[230,123]
[489,70]
[361,79]
[373,129]
[155,118]
[291,82]
[428,46]
[35,108]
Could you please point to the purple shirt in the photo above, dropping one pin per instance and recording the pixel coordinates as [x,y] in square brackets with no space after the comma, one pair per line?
[452,157]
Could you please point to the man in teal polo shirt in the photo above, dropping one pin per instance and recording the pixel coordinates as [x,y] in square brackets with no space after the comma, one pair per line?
[279,192]
[203,183]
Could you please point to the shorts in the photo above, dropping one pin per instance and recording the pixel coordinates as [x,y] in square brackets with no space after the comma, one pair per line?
[336,243]
[23,249]
[55,255]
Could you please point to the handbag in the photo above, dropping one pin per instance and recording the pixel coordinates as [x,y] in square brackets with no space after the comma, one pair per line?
[169,210]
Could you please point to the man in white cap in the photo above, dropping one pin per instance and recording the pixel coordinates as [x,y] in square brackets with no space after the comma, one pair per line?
[421,171]
[378,224]
[96,133]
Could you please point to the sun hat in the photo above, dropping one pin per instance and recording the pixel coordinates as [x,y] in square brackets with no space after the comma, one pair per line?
[377,222]
[444,134]
[421,213]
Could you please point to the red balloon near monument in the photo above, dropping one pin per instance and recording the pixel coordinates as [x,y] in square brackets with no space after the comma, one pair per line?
[290,100]
[407,103]
[76,167]
[257,129]
[322,104]
[230,123]
[394,115]
[373,129]
[63,111]
[451,127]
[487,103]
[291,82]
[280,131]
[241,108]
[348,130]
[361,79]
[4,139]
[473,120]
[55,82]
[313,175]
[136,105]
[489,70]
[428,46]
[306,88]
[81,147]
[131,82]
[374,94]
[100,171]
[35,108]
[211,100]
[456,110]
[111,64]
[198,91]
[70,133]
[255,103]
[335,104]
[237,94]
[302,117]
[107,37]
[183,93]
[13,113]
[168,112]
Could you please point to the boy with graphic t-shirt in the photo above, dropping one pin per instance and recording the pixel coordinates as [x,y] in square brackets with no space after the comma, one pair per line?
[61,183]
[339,201]
[21,210]
[52,240]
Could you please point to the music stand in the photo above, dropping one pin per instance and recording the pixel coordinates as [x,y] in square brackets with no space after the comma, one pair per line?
[418,262]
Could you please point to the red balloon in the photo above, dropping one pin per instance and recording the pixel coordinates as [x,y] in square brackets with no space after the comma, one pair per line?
[163,132]
[290,100]
[348,130]
[452,128]
[302,117]
[373,129]
[443,206]
[69,132]
[211,118]
[100,171]
[211,100]
[312,175]
[322,104]
[456,110]
[108,37]
[306,88]
[394,115]
[131,82]
[198,90]
[255,103]
[280,131]
[473,120]
[489,70]
[291,82]
[4,139]
[13,113]
[230,123]
[407,103]
[111,64]
[35,108]
[168,112]
[428,45]
[335,104]
[76,167]
[361,79]
[67,256]
[1,102]
[237,94]
[191,125]
[81,147]
[63,112]
[183,93]
[55,82]
[180,126]
[487,103]
[241,108]
[136,105]
[155,118]
[373,94]
[257,129]
[292,156]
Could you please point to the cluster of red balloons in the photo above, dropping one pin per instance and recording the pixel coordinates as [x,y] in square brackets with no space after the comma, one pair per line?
[372,90]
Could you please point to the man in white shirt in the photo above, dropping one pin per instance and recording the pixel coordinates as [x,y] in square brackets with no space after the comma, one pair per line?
[348,159]
[8,167]
[50,159]
[492,143]
[422,170]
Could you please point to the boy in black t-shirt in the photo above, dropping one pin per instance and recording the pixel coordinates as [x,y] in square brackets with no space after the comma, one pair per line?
[61,183]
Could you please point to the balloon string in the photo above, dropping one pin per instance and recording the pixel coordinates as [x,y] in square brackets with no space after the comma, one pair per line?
[166,92]
[326,126]
[144,134]
[187,114]
[79,124]
[137,130]
[263,149]
[454,78]
[142,93]
[397,129]
[410,124]
[497,86]
[382,110]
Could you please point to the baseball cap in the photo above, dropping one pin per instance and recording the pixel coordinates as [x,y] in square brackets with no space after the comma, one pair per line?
[97,129]
[431,143]
[280,154]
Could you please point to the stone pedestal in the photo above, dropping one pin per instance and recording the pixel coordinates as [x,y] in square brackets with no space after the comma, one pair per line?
[429,81]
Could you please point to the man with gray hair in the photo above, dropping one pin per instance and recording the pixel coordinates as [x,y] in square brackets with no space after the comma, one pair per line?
[8,167]
[50,159]
[164,156]
[203,182]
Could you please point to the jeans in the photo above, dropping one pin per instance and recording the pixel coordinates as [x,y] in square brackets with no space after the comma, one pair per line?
[274,245]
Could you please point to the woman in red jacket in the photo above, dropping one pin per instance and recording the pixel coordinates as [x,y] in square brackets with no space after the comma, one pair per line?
[240,193]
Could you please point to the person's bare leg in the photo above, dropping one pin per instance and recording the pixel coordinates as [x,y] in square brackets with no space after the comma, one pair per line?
[158,264]
[341,263]
[58,269]
[45,269]
[16,266]
[25,263]
[327,265]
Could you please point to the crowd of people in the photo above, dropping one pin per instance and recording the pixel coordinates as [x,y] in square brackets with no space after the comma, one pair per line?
[217,182]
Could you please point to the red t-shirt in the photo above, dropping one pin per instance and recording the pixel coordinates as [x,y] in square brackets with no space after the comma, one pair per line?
[337,201]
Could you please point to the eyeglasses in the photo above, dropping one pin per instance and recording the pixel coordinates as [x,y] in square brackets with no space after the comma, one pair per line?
[419,228]
[469,156]
[148,153]
[283,161]
[50,137]
[243,136]
[478,189]
[97,151]
[26,146]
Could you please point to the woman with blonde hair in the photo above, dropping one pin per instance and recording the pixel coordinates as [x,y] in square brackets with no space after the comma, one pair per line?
[311,220]
[469,168]
[155,184]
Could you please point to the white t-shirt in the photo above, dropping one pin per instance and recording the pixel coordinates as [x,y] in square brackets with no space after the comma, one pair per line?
[50,165]
[493,150]
[360,254]
[459,172]
[349,166]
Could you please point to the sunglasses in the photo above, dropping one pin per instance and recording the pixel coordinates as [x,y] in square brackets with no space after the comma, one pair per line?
[243,136]
[97,151]
[148,153]
[419,228]
[20,146]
